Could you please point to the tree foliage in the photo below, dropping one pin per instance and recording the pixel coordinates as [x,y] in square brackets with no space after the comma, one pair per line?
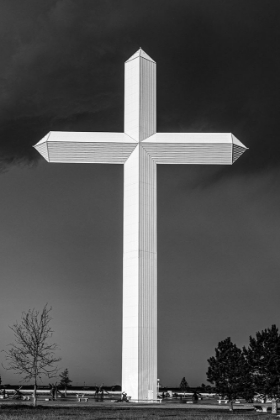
[206,388]
[32,355]
[184,385]
[263,359]
[228,370]
[243,373]
[64,380]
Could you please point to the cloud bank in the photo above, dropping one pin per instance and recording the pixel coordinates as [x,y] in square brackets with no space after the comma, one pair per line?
[62,69]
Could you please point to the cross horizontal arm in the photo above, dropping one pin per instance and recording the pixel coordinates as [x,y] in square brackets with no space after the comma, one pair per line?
[194,148]
[86,147]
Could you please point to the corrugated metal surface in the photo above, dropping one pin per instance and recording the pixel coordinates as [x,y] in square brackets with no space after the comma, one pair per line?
[148,277]
[130,363]
[237,152]
[131,99]
[71,152]
[139,372]
[191,154]
[194,148]
[86,147]
[140,98]
[43,150]
[147,99]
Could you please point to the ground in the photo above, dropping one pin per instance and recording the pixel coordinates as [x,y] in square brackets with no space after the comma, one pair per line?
[16,411]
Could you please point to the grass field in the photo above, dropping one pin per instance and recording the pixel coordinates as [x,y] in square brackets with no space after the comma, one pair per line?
[119,413]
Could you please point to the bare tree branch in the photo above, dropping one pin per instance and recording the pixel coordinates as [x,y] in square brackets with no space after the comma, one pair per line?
[32,355]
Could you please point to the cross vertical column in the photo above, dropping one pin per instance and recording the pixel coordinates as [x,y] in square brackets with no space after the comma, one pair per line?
[139,354]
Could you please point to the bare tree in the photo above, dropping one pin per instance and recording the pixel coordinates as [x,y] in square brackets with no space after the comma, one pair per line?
[32,355]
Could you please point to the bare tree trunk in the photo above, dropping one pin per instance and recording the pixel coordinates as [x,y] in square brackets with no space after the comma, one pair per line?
[35,394]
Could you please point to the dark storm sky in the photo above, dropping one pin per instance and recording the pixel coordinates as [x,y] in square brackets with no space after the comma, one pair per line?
[61,68]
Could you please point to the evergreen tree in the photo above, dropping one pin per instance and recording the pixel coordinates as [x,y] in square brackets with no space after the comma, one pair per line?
[263,361]
[184,385]
[64,380]
[206,388]
[228,371]
[209,389]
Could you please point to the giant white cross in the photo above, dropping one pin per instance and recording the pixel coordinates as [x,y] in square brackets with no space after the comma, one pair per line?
[140,148]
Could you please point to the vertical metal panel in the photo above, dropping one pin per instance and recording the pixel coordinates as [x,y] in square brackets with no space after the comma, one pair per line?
[140,276]
[131,98]
[147,99]
[140,97]
[148,276]
[130,363]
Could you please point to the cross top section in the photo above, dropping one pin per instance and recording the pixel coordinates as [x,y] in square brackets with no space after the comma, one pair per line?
[140,96]
[140,127]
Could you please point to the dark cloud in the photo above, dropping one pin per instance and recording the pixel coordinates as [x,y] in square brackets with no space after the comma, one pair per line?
[62,68]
